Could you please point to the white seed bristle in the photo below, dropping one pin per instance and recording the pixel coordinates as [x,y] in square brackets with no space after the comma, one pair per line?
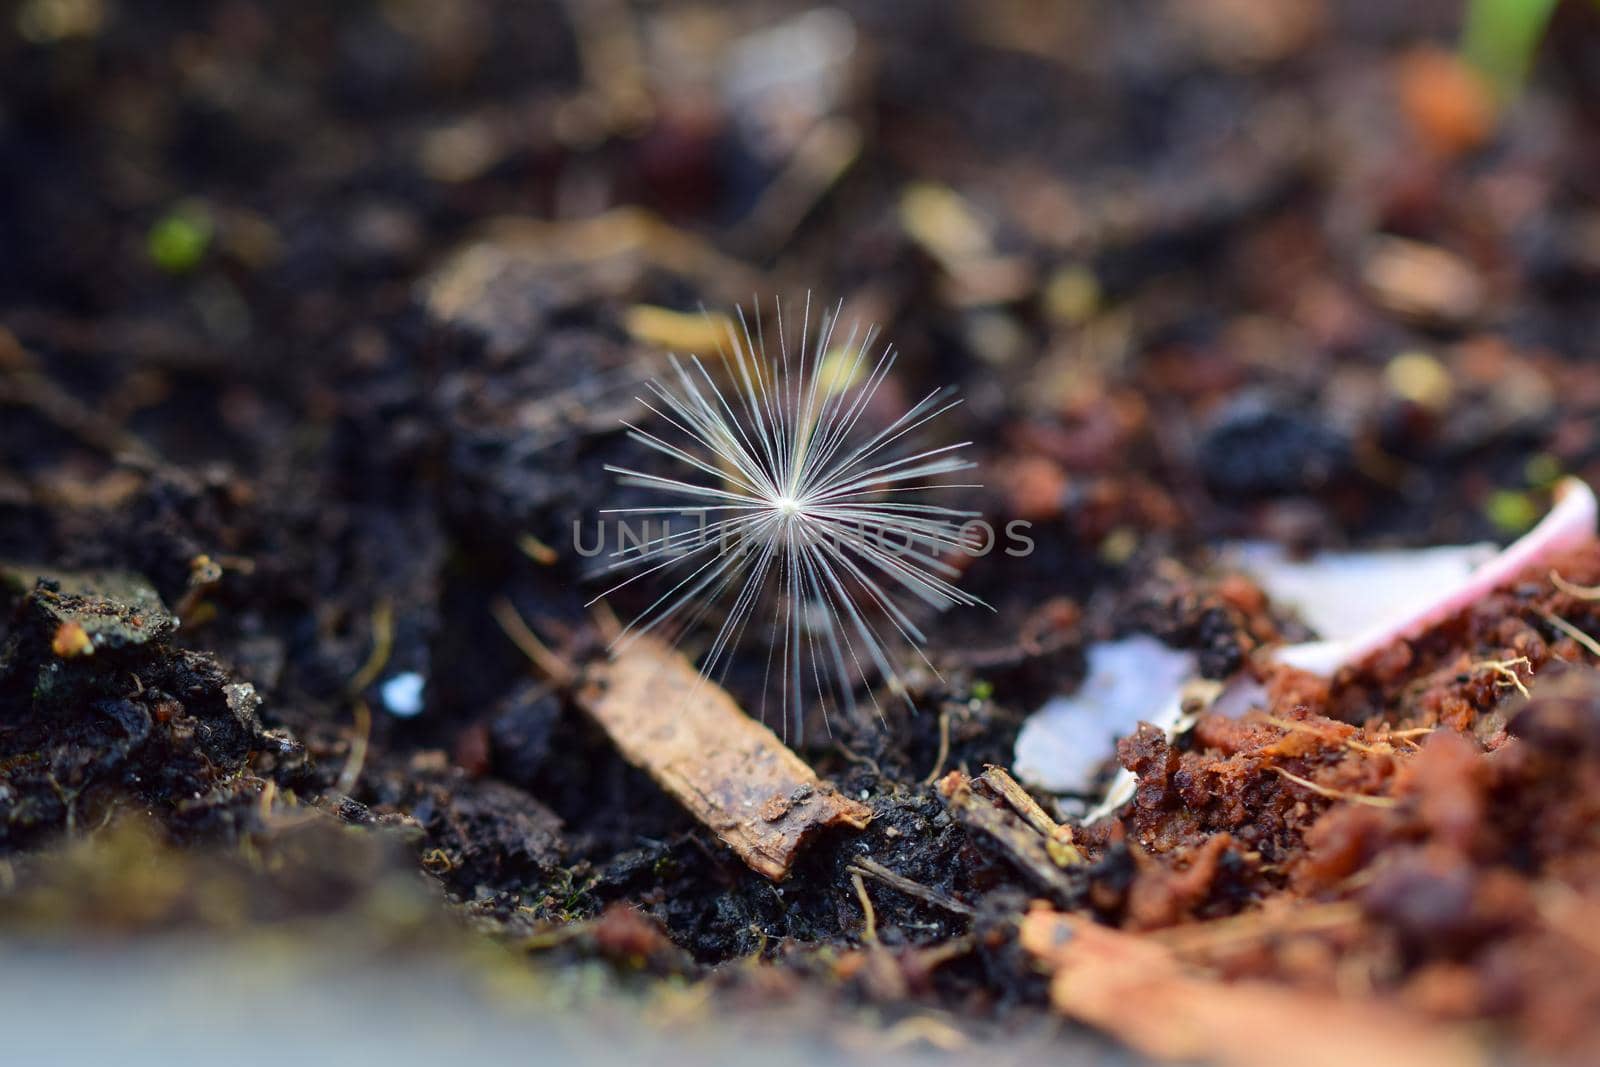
[805,511]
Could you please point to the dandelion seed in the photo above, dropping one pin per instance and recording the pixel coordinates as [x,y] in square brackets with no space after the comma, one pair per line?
[805,513]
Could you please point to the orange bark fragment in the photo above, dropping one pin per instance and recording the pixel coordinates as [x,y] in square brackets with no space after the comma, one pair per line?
[1137,990]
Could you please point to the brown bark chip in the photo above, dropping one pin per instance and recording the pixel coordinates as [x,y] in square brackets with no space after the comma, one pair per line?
[1137,990]
[729,771]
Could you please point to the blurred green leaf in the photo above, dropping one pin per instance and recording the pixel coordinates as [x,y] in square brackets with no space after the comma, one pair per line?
[1500,38]
[1511,512]
[179,239]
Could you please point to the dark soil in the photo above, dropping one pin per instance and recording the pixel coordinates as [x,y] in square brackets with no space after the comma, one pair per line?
[308,359]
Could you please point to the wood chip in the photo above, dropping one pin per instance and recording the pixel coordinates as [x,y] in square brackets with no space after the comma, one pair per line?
[1057,838]
[1006,833]
[1424,283]
[729,771]
[1137,990]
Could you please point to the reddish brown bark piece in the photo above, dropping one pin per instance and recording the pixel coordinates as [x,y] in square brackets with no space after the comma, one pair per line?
[729,771]
[1137,990]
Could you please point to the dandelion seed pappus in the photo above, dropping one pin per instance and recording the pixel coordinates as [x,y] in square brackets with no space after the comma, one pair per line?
[812,523]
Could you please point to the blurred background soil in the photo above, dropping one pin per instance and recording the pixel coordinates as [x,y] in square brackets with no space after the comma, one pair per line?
[317,321]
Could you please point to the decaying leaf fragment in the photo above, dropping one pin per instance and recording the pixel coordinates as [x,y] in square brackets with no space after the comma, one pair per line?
[1136,989]
[729,771]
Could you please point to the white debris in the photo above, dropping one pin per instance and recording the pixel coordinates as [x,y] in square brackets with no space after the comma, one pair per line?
[1358,601]
[1064,743]
[1340,594]
[402,695]
[782,80]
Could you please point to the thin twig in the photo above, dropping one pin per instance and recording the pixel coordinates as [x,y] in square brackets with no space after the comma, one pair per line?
[269,793]
[382,647]
[358,750]
[1306,727]
[1058,838]
[1506,669]
[537,550]
[870,933]
[944,747]
[945,951]
[555,668]
[1582,592]
[857,758]
[1572,631]
[32,390]
[69,801]
[818,162]
[873,869]
[1336,794]
[544,940]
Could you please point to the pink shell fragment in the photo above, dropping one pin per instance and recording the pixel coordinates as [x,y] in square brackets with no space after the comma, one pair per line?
[1568,525]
